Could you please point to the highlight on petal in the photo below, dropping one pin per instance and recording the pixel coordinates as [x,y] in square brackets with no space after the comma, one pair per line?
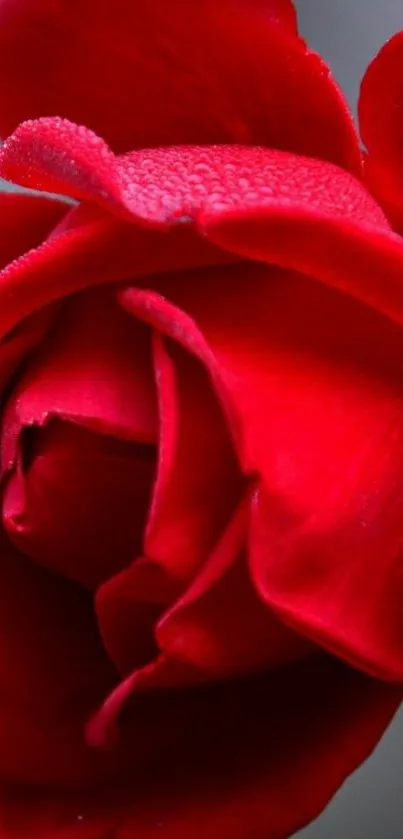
[381,122]
[170,185]
[155,74]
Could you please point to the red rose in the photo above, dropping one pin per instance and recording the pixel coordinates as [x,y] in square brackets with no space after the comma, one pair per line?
[381,121]
[202,439]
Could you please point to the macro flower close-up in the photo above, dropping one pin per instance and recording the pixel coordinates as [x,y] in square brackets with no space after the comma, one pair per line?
[201,428]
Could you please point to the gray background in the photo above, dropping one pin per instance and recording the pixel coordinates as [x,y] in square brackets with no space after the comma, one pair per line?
[370,805]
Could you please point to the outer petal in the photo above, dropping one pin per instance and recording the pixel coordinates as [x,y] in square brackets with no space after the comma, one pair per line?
[207,186]
[92,249]
[381,123]
[165,185]
[52,672]
[154,74]
[25,220]
[253,760]
[310,381]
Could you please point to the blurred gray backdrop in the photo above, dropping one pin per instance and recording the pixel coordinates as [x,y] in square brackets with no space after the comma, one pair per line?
[348,33]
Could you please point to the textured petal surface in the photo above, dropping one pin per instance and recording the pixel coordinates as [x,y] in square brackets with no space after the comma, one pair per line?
[209,73]
[276,748]
[299,197]
[381,123]
[310,381]
[167,185]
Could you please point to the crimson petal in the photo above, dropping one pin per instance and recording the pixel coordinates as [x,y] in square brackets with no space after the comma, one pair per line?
[94,370]
[167,185]
[309,380]
[150,74]
[198,482]
[52,671]
[25,221]
[242,751]
[77,501]
[91,249]
[380,110]
[197,487]
[219,626]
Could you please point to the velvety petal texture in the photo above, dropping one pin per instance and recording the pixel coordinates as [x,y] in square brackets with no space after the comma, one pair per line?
[149,74]
[381,123]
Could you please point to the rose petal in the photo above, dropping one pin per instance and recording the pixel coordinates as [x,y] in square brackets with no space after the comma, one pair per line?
[77,502]
[21,342]
[26,814]
[243,751]
[198,485]
[91,249]
[381,120]
[148,75]
[362,260]
[310,381]
[170,185]
[53,670]
[25,221]
[128,607]
[298,195]
[94,369]
[219,626]
[198,482]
